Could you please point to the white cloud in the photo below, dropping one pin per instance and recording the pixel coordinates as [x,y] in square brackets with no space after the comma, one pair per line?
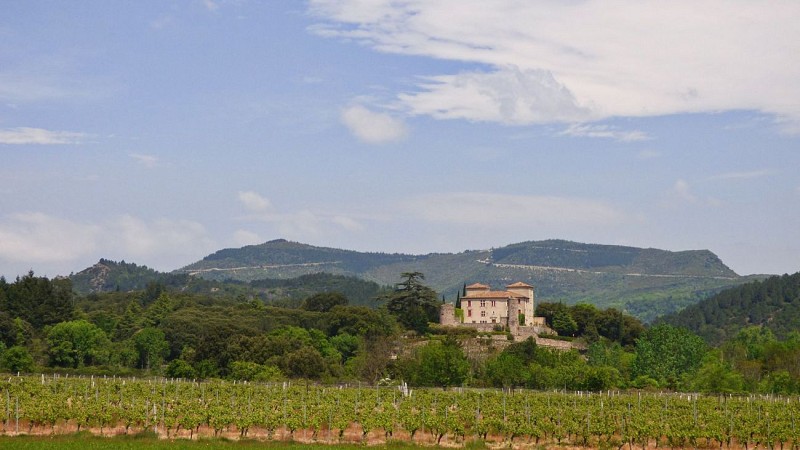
[629,58]
[504,210]
[508,95]
[253,201]
[35,237]
[372,127]
[682,194]
[604,131]
[145,160]
[302,224]
[30,240]
[244,237]
[348,223]
[682,191]
[162,238]
[26,135]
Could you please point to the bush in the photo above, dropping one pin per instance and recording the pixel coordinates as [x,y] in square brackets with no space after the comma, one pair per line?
[181,369]
[250,371]
[17,359]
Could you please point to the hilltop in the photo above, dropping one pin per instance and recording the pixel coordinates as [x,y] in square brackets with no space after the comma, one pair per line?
[644,282]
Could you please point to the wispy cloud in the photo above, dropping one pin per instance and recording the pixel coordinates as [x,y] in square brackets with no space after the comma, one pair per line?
[145,160]
[584,57]
[604,132]
[302,224]
[253,201]
[51,79]
[682,190]
[508,95]
[372,127]
[682,194]
[40,136]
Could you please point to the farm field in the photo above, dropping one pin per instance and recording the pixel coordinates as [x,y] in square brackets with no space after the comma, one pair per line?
[183,412]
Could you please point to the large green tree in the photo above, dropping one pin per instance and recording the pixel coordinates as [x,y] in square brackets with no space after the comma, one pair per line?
[77,343]
[151,347]
[438,364]
[413,303]
[667,353]
[39,301]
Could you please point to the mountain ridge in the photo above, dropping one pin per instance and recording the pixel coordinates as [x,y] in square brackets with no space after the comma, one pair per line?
[645,281]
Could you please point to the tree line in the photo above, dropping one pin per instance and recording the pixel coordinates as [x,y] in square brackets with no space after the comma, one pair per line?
[45,326]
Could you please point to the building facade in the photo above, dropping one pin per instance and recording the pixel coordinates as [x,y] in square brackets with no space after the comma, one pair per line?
[483,305]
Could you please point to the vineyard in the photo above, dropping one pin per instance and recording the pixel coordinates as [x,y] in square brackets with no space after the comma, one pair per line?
[331,414]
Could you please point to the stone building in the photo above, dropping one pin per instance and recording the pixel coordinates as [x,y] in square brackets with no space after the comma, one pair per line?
[512,309]
[482,305]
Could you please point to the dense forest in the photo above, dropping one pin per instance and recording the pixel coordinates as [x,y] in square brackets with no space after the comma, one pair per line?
[170,331]
[773,303]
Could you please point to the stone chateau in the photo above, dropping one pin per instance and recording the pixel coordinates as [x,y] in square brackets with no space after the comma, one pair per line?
[485,310]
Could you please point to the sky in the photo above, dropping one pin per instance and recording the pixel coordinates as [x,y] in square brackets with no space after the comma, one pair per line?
[160,131]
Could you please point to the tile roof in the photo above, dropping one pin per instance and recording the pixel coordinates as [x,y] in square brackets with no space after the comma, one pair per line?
[490,294]
[519,284]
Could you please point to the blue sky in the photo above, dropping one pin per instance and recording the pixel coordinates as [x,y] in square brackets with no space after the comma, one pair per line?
[160,131]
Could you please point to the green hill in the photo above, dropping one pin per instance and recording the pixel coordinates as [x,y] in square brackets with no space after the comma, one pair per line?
[107,276]
[644,282]
[111,276]
[773,303]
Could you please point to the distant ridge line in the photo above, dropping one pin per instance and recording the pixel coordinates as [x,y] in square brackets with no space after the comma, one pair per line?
[565,269]
[266,266]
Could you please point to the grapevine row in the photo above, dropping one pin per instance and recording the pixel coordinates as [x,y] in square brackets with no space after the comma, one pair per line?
[176,408]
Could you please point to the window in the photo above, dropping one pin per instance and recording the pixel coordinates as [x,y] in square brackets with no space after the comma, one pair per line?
[492,303]
[469,313]
[483,303]
[469,303]
[483,313]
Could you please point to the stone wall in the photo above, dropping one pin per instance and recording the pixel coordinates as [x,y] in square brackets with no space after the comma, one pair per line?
[554,343]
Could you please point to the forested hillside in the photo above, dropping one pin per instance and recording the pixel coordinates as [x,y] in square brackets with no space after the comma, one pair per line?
[644,282]
[112,276]
[773,303]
